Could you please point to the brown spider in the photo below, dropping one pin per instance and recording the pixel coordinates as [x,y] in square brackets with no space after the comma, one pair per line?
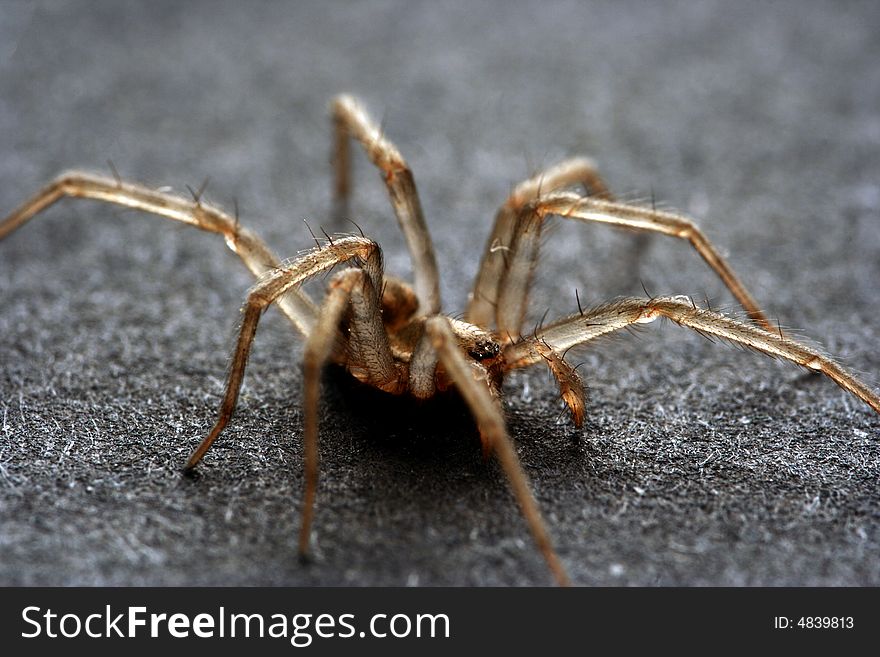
[394,337]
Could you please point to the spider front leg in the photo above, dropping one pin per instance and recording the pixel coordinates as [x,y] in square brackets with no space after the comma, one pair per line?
[351,120]
[584,328]
[273,287]
[368,354]
[489,419]
[514,285]
[257,257]
[371,361]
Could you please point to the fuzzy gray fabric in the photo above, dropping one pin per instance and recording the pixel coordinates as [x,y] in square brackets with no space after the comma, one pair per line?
[698,464]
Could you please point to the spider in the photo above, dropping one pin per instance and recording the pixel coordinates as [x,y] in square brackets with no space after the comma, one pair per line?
[394,337]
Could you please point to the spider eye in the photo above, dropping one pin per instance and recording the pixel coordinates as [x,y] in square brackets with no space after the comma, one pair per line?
[484,350]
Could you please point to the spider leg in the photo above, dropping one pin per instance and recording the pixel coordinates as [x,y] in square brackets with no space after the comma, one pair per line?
[422,368]
[584,328]
[576,171]
[272,287]
[373,357]
[493,432]
[257,257]
[352,121]
[318,349]
[369,356]
[516,281]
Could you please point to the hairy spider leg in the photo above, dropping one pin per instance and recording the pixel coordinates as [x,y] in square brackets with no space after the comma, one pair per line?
[483,299]
[273,286]
[515,283]
[367,352]
[257,257]
[490,421]
[351,120]
[604,319]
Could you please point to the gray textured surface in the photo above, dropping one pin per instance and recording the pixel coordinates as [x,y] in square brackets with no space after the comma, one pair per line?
[699,464]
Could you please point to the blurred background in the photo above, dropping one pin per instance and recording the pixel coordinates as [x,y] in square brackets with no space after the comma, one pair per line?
[698,465]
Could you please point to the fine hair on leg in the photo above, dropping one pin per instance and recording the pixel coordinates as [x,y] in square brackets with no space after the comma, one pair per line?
[351,120]
[604,319]
[483,298]
[515,283]
[257,257]
[272,286]
[493,431]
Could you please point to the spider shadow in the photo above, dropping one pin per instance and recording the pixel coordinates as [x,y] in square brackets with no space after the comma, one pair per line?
[407,474]
[440,432]
[398,426]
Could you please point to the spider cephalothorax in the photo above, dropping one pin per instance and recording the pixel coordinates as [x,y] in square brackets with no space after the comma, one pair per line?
[394,337]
